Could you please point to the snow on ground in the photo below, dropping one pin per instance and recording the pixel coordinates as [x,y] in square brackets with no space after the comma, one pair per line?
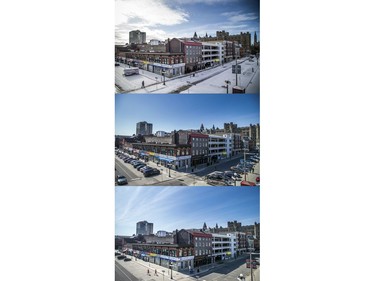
[206,81]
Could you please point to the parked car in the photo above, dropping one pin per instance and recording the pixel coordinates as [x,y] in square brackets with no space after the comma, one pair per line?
[136,165]
[247,183]
[141,166]
[146,168]
[152,172]
[121,257]
[134,162]
[122,180]
[232,175]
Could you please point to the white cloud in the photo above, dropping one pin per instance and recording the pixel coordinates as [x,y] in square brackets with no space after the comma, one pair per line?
[208,2]
[243,17]
[237,16]
[145,15]
[229,14]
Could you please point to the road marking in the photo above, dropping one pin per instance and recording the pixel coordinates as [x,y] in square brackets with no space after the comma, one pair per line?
[123,272]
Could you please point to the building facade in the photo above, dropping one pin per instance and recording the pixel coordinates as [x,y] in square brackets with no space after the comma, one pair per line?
[174,255]
[199,148]
[201,243]
[178,156]
[144,128]
[212,54]
[137,37]
[217,148]
[223,246]
[144,228]
[192,51]
[234,144]
[161,62]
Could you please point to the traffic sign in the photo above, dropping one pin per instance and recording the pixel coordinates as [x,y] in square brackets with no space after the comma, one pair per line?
[238,69]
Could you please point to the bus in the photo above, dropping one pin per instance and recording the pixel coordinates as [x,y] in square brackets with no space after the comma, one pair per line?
[131,71]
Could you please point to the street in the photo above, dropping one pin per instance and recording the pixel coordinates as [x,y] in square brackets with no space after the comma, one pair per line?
[179,178]
[121,274]
[135,270]
[210,80]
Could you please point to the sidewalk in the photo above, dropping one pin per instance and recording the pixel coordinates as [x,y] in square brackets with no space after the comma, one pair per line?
[199,76]
[140,268]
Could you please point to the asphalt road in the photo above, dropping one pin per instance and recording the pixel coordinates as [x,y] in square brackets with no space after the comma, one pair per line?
[121,274]
[225,166]
[228,271]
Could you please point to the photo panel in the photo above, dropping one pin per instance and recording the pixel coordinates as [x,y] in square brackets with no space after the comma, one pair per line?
[187,140]
[187,47]
[187,233]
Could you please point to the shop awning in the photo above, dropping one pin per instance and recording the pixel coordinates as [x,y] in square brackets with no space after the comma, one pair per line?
[166,159]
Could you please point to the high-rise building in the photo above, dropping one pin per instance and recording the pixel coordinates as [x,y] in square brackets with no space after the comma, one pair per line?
[144,128]
[144,228]
[137,37]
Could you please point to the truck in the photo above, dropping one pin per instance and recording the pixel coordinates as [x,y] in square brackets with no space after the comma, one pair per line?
[131,71]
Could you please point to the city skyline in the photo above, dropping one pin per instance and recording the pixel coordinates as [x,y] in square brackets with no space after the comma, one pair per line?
[162,19]
[171,208]
[185,112]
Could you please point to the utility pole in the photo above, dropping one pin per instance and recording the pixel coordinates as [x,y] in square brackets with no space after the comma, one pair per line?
[236,72]
[251,267]
[244,165]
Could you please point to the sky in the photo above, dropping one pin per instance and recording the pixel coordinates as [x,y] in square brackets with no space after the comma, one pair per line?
[174,112]
[163,19]
[171,208]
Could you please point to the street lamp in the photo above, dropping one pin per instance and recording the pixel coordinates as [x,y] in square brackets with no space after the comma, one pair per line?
[163,73]
[170,265]
[251,267]
[244,160]
[169,167]
[227,82]
[163,273]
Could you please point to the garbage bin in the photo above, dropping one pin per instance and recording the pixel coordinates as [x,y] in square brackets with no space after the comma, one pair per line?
[238,90]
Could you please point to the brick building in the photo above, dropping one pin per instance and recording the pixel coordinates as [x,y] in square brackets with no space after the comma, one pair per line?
[201,243]
[192,51]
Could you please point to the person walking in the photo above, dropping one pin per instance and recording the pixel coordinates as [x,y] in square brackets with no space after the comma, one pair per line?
[156,272]
[143,84]
[148,272]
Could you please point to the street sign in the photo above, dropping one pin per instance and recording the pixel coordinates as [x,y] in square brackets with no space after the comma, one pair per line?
[238,69]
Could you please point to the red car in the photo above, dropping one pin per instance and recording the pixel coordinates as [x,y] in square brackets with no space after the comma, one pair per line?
[247,183]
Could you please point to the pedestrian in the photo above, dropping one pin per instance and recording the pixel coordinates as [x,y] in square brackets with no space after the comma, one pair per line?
[148,272]
[156,272]
[143,84]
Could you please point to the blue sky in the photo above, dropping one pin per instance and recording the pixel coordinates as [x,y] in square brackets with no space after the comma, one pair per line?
[171,208]
[162,19]
[173,112]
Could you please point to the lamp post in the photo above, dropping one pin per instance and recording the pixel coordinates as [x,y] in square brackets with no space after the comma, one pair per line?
[170,265]
[169,168]
[251,267]
[244,160]
[163,73]
[236,73]
[227,82]
[163,273]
